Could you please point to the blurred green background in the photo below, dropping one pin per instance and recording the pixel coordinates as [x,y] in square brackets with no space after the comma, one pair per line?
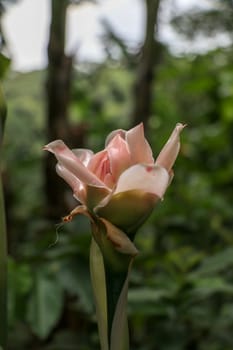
[181,289]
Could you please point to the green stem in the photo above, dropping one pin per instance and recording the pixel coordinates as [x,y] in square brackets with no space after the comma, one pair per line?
[111,273]
[114,284]
[120,331]
[117,294]
[99,291]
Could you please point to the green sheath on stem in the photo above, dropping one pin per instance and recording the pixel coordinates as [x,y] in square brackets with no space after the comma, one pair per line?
[114,285]
[99,290]
[117,292]
[110,276]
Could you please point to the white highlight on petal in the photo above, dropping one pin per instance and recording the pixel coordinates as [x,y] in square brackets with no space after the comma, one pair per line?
[149,178]
[76,185]
[83,154]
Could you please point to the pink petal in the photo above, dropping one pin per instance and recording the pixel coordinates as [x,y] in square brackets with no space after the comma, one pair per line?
[84,155]
[109,138]
[119,156]
[109,181]
[100,166]
[152,179]
[69,161]
[139,148]
[171,149]
[86,194]
[76,185]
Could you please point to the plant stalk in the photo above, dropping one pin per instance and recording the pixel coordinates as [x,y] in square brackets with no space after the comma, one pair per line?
[110,275]
[117,293]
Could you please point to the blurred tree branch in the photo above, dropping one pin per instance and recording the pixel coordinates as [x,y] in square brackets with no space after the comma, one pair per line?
[58,89]
[111,39]
[58,95]
[205,21]
[150,57]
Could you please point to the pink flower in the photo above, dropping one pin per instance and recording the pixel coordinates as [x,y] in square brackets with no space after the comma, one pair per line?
[121,183]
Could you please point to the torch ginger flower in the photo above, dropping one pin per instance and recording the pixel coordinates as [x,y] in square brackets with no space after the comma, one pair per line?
[117,189]
[120,185]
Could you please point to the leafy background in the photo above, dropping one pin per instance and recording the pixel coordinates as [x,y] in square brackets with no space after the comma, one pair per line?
[181,289]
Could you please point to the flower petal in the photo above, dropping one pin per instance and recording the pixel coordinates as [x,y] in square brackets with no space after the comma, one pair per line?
[169,152]
[140,149]
[76,185]
[119,156]
[148,178]
[68,160]
[112,134]
[99,165]
[84,155]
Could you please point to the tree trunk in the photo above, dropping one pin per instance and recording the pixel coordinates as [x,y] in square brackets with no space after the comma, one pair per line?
[150,57]
[58,96]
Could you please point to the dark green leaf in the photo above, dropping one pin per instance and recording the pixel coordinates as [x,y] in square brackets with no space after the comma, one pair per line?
[45,303]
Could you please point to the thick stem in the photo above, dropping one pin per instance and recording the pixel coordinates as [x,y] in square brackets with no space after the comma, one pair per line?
[112,275]
[115,281]
[99,291]
[117,297]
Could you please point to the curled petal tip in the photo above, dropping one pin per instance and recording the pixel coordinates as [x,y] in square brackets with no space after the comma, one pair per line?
[45,148]
[171,149]
[57,145]
[180,126]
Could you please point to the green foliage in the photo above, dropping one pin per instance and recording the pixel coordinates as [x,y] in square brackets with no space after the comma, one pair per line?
[4,65]
[181,290]
[3,237]
[45,303]
[25,136]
